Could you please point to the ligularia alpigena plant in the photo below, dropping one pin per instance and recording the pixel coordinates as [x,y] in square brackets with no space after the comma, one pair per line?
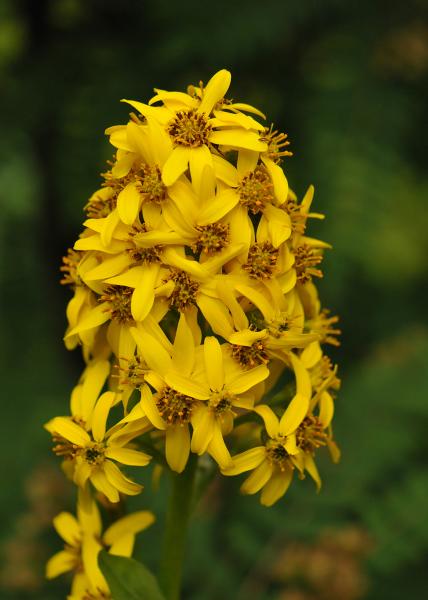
[200,325]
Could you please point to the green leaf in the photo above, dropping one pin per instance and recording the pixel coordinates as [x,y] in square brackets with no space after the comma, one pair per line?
[128,579]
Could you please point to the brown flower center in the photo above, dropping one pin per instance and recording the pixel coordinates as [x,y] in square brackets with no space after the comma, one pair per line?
[310,434]
[305,264]
[119,298]
[261,261]
[185,290]
[189,128]
[175,408]
[256,190]
[250,356]
[212,238]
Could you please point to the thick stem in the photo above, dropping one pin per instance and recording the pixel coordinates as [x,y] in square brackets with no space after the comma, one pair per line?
[177,518]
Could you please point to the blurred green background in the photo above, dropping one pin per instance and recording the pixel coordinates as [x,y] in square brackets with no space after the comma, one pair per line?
[348,82]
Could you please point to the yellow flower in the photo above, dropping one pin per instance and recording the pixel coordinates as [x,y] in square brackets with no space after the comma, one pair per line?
[84,539]
[194,125]
[221,387]
[93,451]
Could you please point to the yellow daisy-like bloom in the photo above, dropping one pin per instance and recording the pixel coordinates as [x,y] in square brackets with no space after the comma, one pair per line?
[84,538]
[94,454]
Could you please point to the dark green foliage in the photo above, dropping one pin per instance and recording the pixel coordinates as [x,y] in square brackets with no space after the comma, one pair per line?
[128,579]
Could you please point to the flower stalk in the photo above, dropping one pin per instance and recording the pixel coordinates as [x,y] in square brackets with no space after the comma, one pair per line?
[176,525]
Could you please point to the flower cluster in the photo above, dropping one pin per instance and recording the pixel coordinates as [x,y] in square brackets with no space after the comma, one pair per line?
[196,310]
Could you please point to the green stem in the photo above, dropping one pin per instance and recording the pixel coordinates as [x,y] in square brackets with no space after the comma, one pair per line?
[177,518]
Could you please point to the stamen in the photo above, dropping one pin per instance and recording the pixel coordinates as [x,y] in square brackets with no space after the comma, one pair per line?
[305,261]
[134,374]
[119,298]
[185,290]
[261,261]
[189,128]
[94,454]
[150,184]
[322,324]
[324,372]
[310,434]
[298,221]
[99,207]
[221,402]
[256,190]
[212,238]
[69,268]
[250,356]
[278,455]
[175,408]
[276,142]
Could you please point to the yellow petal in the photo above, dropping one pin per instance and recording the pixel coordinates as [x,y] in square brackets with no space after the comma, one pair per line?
[188,386]
[258,478]
[150,409]
[269,418]
[129,525]
[295,413]
[68,528]
[218,449]
[144,293]
[94,318]
[109,267]
[247,162]
[94,378]
[303,381]
[128,203]
[238,138]
[127,456]
[119,481]
[218,207]
[177,447]
[259,299]
[201,166]
[215,90]
[90,550]
[184,348]
[248,379]
[311,355]
[276,487]
[213,363]
[280,183]
[225,171]
[326,409]
[247,337]
[153,352]
[246,461]
[175,165]
[109,226]
[69,430]
[60,563]
[311,468]
[203,430]
[100,415]
[216,314]
[103,485]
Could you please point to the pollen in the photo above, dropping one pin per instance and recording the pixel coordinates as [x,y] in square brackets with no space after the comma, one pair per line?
[212,238]
[175,408]
[261,261]
[189,128]
[310,435]
[277,142]
[221,402]
[250,356]
[306,262]
[69,268]
[99,207]
[94,454]
[150,184]
[277,454]
[119,298]
[134,373]
[324,375]
[256,190]
[185,290]
[325,326]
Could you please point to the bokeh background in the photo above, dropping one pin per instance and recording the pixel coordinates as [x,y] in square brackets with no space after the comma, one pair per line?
[348,82]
